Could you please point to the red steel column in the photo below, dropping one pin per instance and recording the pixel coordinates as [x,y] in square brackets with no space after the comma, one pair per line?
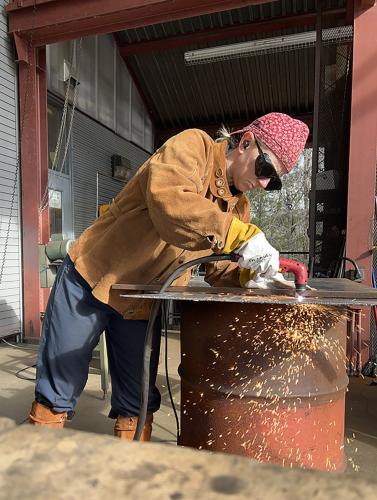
[44,221]
[363,144]
[33,173]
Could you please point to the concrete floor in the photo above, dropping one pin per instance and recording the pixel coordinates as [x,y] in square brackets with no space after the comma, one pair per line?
[92,409]
[91,412]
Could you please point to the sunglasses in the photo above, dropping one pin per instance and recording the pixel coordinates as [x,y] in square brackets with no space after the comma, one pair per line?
[264,169]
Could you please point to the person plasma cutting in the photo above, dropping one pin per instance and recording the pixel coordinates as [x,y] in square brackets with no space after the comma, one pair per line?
[186,201]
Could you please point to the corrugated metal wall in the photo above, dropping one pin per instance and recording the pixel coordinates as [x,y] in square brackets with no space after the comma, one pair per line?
[92,148]
[106,91]
[10,253]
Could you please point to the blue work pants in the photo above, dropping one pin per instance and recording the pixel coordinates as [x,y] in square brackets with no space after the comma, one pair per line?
[72,325]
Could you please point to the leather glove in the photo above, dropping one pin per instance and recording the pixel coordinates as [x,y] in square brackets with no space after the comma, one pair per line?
[257,254]
[276,282]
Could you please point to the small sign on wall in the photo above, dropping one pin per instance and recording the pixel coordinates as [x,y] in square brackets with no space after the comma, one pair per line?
[54,198]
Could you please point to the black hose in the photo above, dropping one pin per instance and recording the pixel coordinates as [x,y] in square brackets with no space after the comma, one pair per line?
[24,369]
[165,316]
[356,267]
[357,271]
[156,305]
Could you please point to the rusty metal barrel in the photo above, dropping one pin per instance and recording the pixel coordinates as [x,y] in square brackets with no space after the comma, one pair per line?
[265,381]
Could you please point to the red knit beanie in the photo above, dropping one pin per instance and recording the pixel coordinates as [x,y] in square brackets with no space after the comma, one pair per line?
[283,135]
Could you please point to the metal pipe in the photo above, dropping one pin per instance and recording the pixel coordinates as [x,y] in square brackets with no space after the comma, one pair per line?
[354,337]
[359,365]
[350,339]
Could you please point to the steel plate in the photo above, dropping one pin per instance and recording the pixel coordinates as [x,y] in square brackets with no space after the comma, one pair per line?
[327,291]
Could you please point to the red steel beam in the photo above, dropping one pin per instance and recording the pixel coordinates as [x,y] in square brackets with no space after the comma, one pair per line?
[363,146]
[234,31]
[49,21]
[34,174]
[19,4]
[44,221]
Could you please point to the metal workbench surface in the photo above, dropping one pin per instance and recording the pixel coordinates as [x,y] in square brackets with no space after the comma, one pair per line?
[326,291]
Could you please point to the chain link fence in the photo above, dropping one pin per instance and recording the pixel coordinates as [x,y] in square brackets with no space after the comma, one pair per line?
[332,168]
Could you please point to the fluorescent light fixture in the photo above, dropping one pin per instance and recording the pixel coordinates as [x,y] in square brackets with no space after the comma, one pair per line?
[268,45]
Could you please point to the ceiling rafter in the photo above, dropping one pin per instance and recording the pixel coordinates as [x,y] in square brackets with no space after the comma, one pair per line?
[234,31]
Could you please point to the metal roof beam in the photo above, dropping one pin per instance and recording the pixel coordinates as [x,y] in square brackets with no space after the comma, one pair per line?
[49,21]
[234,31]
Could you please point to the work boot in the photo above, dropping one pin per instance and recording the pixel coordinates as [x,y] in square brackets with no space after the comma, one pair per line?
[43,415]
[125,427]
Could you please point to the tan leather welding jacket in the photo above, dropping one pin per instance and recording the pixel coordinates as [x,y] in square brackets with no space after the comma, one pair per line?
[176,208]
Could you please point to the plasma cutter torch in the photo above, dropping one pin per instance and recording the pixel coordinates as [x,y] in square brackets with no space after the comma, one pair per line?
[289,266]
[298,269]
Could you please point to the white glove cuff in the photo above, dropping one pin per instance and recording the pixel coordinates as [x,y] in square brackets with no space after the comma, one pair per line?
[257,254]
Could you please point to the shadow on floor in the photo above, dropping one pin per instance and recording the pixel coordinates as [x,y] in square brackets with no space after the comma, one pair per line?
[361,427]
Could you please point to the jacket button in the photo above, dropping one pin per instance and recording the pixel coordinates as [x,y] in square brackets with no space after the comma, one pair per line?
[221,192]
[219,172]
[219,182]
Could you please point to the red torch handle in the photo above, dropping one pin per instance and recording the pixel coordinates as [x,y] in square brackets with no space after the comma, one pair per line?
[297,268]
